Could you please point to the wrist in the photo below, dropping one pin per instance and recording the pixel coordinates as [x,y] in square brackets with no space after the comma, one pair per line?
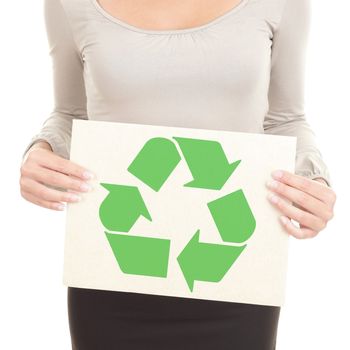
[41,144]
[37,144]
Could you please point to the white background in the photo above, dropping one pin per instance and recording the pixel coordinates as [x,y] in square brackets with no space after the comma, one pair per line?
[33,298]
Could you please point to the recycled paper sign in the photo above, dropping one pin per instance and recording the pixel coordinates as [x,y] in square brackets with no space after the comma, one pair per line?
[177,211]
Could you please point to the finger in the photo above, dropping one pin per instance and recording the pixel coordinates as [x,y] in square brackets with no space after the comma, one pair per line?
[55,178]
[303,199]
[297,232]
[304,184]
[41,202]
[45,193]
[304,218]
[62,165]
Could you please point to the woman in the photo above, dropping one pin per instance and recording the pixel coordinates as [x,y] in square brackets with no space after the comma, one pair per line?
[229,65]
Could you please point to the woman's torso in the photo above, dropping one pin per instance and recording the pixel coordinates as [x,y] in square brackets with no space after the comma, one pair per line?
[214,76]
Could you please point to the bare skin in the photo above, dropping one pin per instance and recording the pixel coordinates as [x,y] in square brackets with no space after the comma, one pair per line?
[167,14]
[42,166]
[312,201]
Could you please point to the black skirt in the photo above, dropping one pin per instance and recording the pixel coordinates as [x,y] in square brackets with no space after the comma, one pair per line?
[108,320]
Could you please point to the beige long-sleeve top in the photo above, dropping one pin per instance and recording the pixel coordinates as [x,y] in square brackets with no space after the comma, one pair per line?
[243,71]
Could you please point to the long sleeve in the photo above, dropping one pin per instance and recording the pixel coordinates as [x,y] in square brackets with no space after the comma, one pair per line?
[286,115]
[69,89]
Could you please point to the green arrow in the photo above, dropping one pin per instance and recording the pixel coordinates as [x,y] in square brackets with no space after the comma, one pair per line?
[233,217]
[207,163]
[122,207]
[206,261]
[155,162]
[140,255]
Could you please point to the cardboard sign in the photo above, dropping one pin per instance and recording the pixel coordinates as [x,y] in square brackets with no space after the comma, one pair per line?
[179,212]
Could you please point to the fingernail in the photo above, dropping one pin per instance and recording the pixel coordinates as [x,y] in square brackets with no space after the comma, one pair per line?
[60,206]
[272,183]
[88,175]
[277,174]
[74,197]
[284,219]
[85,187]
[272,198]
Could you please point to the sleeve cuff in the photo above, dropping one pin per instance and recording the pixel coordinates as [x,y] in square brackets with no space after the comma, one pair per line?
[58,146]
[312,166]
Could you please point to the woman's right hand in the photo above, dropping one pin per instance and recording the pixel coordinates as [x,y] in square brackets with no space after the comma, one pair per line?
[42,166]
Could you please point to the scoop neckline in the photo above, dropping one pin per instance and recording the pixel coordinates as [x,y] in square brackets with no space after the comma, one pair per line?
[127,25]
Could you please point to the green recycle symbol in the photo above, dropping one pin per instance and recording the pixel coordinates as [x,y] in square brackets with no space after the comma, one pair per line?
[149,256]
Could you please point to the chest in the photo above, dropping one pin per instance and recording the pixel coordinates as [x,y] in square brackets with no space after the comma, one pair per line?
[167,14]
[124,59]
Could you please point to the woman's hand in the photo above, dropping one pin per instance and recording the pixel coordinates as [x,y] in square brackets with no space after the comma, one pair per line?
[312,202]
[41,166]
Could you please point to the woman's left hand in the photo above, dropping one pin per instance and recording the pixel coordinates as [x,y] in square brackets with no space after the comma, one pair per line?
[312,202]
